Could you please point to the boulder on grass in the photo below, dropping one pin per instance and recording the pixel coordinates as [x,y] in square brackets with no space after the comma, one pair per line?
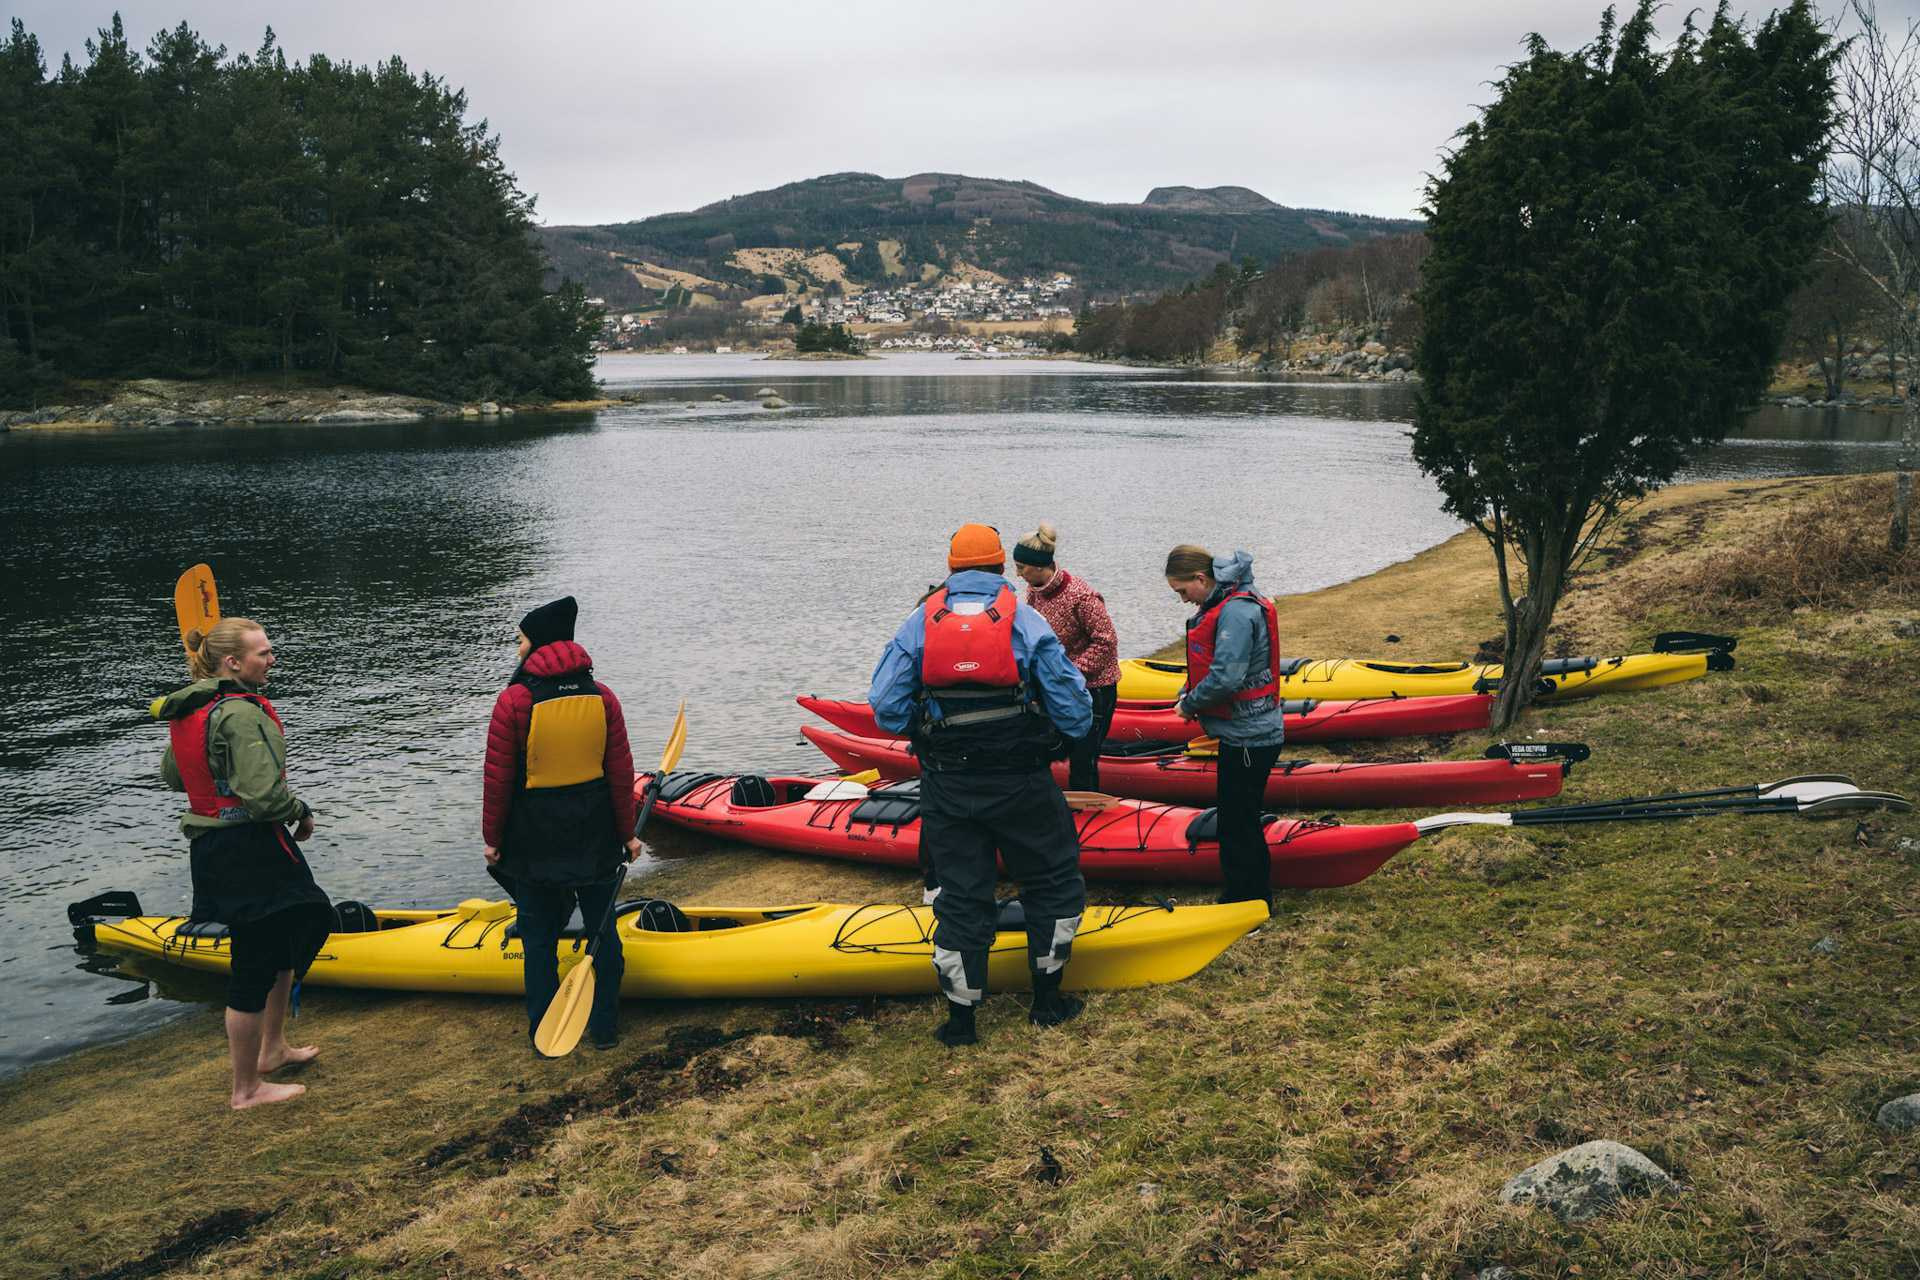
[1587,1180]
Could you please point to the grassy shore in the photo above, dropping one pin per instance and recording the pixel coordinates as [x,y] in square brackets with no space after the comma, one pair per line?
[1341,1095]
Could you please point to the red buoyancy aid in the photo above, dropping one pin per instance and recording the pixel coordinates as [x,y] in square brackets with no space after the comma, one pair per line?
[1200,635]
[969,648]
[208,796]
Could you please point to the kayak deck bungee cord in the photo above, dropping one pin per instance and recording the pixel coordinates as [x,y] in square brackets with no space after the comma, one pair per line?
[1307,719]
[1173,774]
[808,949]
[1676,656]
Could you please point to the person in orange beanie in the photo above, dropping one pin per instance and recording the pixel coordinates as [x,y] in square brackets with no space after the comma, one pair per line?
[985,689]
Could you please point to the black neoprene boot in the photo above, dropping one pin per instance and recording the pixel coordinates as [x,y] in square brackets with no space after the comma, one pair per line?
[1051,1006]
[959,1026]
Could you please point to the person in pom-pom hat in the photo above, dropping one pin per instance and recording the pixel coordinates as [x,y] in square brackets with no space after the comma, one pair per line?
[1079,617]
[988,695]
[558,810]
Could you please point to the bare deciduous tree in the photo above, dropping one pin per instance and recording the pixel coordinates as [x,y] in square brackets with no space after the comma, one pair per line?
[1873,180]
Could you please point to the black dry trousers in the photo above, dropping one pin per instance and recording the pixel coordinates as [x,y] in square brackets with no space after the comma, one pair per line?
[1246,864]
[967,816]
[1083,769]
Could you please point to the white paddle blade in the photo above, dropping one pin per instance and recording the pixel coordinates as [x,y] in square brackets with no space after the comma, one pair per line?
[1775,788]
[838,789]
[1441,821]
[1841,800]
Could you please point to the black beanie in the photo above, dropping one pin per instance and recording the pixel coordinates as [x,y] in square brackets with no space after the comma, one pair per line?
[550,622]
[1038,557]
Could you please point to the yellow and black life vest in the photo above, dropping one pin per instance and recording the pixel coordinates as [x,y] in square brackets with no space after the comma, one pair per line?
[560,829]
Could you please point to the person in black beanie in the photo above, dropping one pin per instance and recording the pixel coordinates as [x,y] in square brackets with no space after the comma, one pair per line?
[558,812]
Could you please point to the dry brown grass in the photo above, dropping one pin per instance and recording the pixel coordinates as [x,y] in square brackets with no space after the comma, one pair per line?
[1827,552]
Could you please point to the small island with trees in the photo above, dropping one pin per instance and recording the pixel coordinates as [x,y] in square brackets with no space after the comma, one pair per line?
[186,214]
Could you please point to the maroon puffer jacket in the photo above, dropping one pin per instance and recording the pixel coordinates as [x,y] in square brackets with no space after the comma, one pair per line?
[507,743]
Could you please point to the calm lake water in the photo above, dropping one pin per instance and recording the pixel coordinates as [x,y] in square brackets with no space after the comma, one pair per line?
[723,553]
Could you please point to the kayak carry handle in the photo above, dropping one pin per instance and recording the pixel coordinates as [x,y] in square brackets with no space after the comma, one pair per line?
[114,902]
[1693,642]
[1526,752]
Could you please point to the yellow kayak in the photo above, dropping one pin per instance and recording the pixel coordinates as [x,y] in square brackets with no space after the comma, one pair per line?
[1147,680]
[814,949]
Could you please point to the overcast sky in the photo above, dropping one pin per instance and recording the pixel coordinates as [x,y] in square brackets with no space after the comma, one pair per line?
[610,110]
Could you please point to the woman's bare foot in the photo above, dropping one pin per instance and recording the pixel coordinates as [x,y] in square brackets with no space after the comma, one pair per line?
[287,1056]
[264,1093]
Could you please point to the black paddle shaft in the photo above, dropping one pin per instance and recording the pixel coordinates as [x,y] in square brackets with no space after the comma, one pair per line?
[1678,809]
[620,876]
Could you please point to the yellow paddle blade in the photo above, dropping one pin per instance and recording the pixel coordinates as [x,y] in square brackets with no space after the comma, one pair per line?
[566,1018]
[196,602]
[866,777]
[1203,748]
[676,741]
[1089,800]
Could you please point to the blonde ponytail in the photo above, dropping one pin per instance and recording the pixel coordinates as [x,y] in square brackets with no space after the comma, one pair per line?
[208,651]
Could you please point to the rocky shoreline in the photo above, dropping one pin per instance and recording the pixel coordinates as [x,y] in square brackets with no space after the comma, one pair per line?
[157,402]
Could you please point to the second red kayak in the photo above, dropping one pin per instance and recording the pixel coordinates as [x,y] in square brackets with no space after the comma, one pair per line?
[1179,778]
[1128,840]
[1307,720]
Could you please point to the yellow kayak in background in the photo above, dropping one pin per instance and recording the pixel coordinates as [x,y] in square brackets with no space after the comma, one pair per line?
[813,949]
[1677,656]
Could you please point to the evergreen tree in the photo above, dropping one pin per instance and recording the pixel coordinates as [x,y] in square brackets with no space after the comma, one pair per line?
[1614,243]
[184,213]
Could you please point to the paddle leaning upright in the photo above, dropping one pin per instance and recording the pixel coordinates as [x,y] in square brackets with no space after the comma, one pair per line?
[227,750]
[984,688]
[558,814]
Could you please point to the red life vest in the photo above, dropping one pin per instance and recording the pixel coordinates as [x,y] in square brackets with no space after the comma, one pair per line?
[969,648]
[207,795]
[1200,634]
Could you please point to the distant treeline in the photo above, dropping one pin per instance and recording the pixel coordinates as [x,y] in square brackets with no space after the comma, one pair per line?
[187,214]
[1367,289]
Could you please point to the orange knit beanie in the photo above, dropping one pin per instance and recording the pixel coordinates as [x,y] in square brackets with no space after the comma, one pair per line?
[976,546]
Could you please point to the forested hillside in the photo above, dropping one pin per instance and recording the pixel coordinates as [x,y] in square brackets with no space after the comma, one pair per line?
[1361,294]
[933,221]
[183,213]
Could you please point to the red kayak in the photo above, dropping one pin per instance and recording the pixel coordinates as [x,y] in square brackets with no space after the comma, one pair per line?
[1307,720]
[1130,840]
[1178,778]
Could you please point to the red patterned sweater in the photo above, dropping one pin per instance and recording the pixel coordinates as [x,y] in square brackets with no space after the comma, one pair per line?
[1078,616]
[507,743]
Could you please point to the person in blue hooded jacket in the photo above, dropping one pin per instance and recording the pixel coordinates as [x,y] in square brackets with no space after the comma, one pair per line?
[1233,666]
[983,687]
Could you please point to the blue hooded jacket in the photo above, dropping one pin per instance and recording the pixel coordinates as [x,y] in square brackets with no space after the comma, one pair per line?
[1239,662]
[1042,660]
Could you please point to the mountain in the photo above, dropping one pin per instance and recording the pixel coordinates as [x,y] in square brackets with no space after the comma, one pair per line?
[1210,199]
[933,224]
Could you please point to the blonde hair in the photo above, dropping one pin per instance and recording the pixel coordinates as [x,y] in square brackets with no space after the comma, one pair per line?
[1045,538]
[208,651]
[1186,560]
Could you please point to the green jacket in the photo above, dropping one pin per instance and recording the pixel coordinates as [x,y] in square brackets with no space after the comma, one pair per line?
[245,749]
